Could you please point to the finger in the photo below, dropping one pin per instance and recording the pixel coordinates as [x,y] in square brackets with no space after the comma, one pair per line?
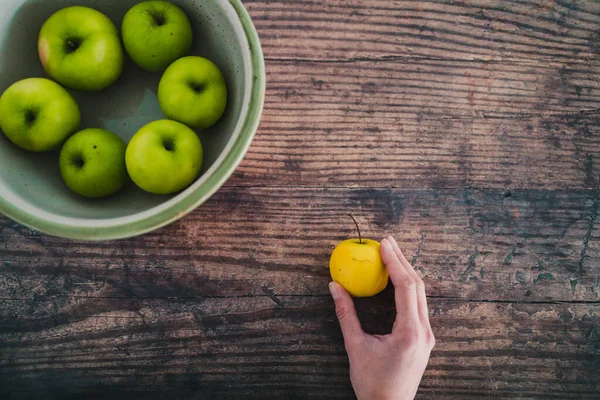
[421,296]
[405,287]
[346,314]
[407,266]
[394,266]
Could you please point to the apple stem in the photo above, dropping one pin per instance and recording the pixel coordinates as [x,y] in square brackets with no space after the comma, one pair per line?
[357,228]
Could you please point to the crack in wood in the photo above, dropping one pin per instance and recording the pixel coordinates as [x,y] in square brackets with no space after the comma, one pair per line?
[470,264]
[415,257]
[272,296]
[279,296]
[575,280]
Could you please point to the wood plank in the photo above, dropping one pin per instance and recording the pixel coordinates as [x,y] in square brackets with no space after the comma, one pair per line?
[523,245]
[504,116]
[467,129]
[221,347]
[467,30]
[428,124]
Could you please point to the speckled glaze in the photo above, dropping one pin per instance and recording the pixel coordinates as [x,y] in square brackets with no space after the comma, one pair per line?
[31,189]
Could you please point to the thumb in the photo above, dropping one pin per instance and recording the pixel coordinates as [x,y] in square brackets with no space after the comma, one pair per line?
[346,314]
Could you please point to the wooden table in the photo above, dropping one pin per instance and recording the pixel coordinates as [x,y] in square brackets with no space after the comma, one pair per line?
[467,129]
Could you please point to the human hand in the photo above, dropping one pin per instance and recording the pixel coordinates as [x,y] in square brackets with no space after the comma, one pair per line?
[388,366]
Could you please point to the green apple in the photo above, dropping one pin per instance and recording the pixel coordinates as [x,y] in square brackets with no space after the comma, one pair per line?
[164,157]
[156,33]
[193,91]
[92,163]
[80,48]
[37,114]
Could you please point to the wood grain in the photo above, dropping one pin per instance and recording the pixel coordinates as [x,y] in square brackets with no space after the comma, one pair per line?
[427,124]
[522,245]
[207,348]
[467,129]
[495,30]
[416,94]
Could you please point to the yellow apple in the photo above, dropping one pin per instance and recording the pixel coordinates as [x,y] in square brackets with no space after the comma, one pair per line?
[357,266]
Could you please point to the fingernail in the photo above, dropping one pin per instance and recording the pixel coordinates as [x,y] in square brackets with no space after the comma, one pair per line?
[334,289]
[386,244]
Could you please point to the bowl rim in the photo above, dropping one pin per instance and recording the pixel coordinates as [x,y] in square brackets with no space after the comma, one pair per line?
[183,203]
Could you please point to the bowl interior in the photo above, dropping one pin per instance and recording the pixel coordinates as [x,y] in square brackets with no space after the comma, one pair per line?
[34,179]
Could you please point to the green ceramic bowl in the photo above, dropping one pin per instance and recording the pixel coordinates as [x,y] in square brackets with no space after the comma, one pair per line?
[31,188]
